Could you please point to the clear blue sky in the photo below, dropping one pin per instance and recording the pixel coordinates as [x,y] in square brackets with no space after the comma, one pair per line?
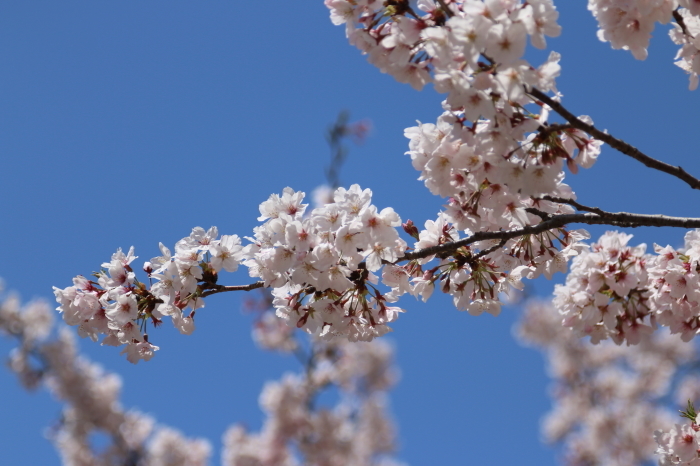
[128,123]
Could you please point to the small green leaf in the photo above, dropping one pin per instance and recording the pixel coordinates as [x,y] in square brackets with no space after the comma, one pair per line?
[690,412]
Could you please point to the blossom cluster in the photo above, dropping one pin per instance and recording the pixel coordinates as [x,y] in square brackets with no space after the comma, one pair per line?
[496,162]
[606,295]
[494,176]
[321,266]
[90,397]
[495,179]
[688,37]
[478,274]
[607,399]
[618,291]
[355,432]
[680,444]
[449,43]
[628,25]
[324,268]
[472,52]
[117,305]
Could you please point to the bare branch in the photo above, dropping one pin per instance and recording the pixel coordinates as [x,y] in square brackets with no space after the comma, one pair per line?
[615,143]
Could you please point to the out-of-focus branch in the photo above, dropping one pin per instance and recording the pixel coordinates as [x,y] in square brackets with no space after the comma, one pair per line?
[337,133]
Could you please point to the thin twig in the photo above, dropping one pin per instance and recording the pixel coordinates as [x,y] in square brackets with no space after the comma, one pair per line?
[488,251]
[539,213]
[223,289]
[571,202]
[615,143]
[335,136]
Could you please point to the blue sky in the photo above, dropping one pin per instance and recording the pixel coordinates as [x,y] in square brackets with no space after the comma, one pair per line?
[129,123]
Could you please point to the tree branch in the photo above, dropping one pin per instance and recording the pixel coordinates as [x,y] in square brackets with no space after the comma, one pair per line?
[615,143]
[595,216]
[222,289]
[559,221]
[679,19]
[493,248]
[571,202]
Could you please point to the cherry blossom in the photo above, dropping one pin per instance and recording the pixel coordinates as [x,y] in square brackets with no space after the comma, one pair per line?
[356,431]
[120,307]
[687,36]
[336,271]
[607,399]
[620,292]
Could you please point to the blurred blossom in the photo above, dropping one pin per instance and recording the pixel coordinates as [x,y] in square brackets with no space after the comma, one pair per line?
[607,399]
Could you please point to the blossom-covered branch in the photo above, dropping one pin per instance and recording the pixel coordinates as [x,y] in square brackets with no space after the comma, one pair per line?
[501,173]
[357,431]
[214,288]
[614,142]
[90,397]
[607,399]
[497,167]
[629,220]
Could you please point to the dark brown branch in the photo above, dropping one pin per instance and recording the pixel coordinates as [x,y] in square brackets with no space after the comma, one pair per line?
[679,19]
[539,213]
[609,218]
[595,216]
[488,251]
[615,143]
[222,289]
